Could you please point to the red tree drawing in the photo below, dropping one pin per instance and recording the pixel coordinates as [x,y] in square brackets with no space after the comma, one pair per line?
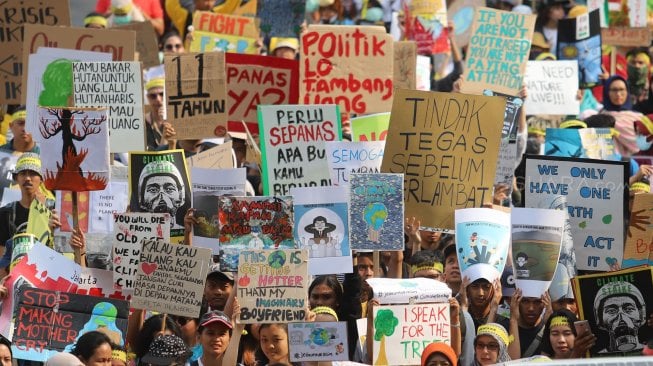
[70,175]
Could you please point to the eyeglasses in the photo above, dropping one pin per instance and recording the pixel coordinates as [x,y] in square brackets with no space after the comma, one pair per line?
[154,95]
[176,46]
[493,347]
[618,90]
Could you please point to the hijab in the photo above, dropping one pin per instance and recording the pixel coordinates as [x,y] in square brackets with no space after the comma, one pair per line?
[607,103]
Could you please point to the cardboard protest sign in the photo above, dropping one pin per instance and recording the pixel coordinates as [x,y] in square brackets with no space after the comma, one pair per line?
[638,246]
[48,322]
[17,13]
[282,18]
[159,183]
[196,94]
[347,65]
[37,221]
[405,65]
[448,156]
[117,87]
[170,278]
[224,32]
[401,332]
[498,51]
[206,193]
[318,341]
[74,149]
[347,157]
[129,230]
[372,127]
[253,223]
[580,39]
[596,209]
[536,238]
[272,285]
[121,44]
[626,36]
[617,306]
[322,228]
[402,291]
[461,12]
[482,242]
[147,42]
[623,23]
[254,80]
[217,157]
[552,87]
[376,212]
[292,141]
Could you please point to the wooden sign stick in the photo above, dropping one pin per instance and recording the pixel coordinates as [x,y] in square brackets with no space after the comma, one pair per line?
[80,258]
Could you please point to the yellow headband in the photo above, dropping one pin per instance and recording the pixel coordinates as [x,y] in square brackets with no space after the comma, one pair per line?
[96,19]
[646,57]
[545,55]
[494,330]
[155,83]
[640,186]
[573,123]
[325,310]
[121,11]
[436,266]
[117,354]
[559,320]
[647,123]
[19,115]
[536,131]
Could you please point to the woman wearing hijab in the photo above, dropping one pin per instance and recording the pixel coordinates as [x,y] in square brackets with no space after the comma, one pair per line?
[491,345]
[617,102]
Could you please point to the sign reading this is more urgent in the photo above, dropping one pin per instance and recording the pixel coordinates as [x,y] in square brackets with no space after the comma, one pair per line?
[447,147]
[347,65]
[196,93]
[498,51]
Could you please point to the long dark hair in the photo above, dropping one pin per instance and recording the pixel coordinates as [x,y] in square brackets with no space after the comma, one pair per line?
[330,281]
[151,327]
[547,348]
[88,343]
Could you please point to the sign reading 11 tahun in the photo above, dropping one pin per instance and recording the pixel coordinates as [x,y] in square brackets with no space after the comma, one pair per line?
[293,145]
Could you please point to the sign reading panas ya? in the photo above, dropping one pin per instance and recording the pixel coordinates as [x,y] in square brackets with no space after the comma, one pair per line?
[170,278]
[498,51]
[196,94]
[128,230]
[292,143]
[401,332]
[273,286]
[347,65]
[447,147]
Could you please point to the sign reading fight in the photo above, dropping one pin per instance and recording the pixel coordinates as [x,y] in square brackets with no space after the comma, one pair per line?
[292,142]
[498,51]
[596,202]
[347,65]
[272,286]
[447,147]
[224,32]
[254,80]
[401,332]
[196,94]
[170,278]
[13,15]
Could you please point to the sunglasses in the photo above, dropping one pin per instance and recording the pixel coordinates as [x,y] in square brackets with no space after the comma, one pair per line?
[176,46]
[154,95]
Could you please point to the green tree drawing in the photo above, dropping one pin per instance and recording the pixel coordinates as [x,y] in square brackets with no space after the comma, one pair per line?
[385,323]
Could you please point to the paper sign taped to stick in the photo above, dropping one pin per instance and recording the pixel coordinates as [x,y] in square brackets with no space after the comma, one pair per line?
[196,94]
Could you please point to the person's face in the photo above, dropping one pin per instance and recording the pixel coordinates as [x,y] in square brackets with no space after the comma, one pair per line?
[216,293]
[618,92]
[569,304]
[203,5]
[320,225]
[161,194]
[521,261]
[479,292]
[451,269]
[327,13]
[639,61]
[5,356]
[155,97]
[562,340]
[274,343]
[214,339]
[101,356]
[438,359]
[285,52]
[430,237]
[428,273]
[28,181]
[188,327]
[621,311]
[323,295]
[557,12]
[173,45]
[18,129]
[487,350]
[365,267]
[530,310]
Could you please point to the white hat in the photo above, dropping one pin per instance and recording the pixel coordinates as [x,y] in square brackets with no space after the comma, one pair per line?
[63,359]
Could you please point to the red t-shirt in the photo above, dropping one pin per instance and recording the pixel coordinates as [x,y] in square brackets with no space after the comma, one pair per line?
[151,8]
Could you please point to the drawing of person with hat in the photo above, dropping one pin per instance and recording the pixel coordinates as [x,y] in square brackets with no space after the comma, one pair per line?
[320,229]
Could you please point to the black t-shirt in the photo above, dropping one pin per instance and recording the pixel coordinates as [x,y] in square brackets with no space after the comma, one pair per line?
[8,229]
[526,337]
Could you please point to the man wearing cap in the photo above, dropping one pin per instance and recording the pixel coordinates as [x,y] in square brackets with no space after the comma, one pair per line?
[284,47]
[217,289]
[22,140]
[215,336]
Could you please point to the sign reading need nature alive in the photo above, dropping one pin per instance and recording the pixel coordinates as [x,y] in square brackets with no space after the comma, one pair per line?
[292,142]
[447,147]
[347,65]
[596,201]
[116,86]
[272,286]
[196,94]
[552,87]
[170,278]
[498,51]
